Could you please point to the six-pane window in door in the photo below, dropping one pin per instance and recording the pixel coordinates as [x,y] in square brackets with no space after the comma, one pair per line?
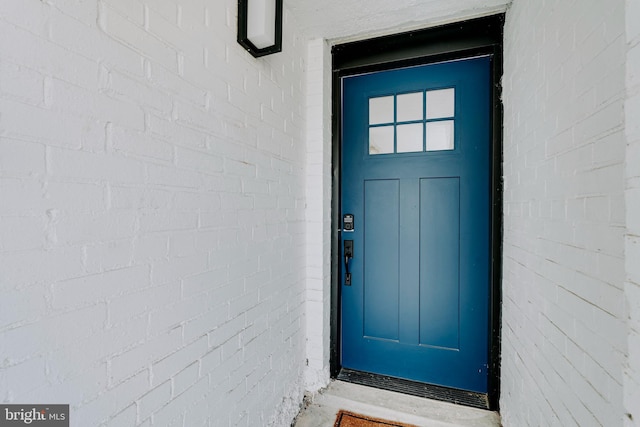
[412,122]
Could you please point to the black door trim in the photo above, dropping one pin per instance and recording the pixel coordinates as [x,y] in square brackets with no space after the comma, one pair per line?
[481,36]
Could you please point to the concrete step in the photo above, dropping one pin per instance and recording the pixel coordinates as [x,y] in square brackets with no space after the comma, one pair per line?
[324,406]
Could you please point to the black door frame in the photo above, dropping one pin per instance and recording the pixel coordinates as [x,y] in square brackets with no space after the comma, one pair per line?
[481,36]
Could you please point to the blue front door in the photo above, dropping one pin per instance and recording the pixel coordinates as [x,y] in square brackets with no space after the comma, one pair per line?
[416,179]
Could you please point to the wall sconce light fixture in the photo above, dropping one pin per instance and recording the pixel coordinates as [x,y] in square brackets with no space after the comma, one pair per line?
[260,26]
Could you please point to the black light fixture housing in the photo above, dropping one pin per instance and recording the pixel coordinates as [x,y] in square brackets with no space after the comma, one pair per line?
[260,26]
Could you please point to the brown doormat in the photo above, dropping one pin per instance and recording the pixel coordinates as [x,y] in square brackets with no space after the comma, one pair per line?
[350,419]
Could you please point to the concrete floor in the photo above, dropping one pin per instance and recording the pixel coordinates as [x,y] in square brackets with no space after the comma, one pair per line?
[324,406]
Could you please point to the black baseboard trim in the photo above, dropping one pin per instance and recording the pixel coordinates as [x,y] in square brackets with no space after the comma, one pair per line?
[429,391]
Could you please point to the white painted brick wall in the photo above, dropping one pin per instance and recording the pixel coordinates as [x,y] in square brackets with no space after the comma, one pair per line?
[632,198]
[152,214]
[318,214]
[564,340]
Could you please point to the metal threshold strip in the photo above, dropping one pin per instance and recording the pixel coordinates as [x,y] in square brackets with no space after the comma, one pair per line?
[451,395]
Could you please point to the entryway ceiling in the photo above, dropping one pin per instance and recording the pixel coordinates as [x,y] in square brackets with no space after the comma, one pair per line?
[342,20]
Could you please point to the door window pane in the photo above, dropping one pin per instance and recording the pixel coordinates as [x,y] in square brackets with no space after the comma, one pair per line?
[440,103]
[381,110]
[402,123]
[440,135]
[381,140]
[410,107]
[410,138]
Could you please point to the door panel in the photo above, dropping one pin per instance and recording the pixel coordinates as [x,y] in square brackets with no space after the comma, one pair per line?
[439,265]
[415,175]
[381,222]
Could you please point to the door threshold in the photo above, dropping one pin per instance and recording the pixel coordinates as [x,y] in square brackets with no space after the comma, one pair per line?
[414,388]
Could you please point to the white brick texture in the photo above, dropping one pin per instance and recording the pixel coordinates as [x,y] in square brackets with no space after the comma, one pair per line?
[564,339]
[152,214]
[632,254]
[318,214]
